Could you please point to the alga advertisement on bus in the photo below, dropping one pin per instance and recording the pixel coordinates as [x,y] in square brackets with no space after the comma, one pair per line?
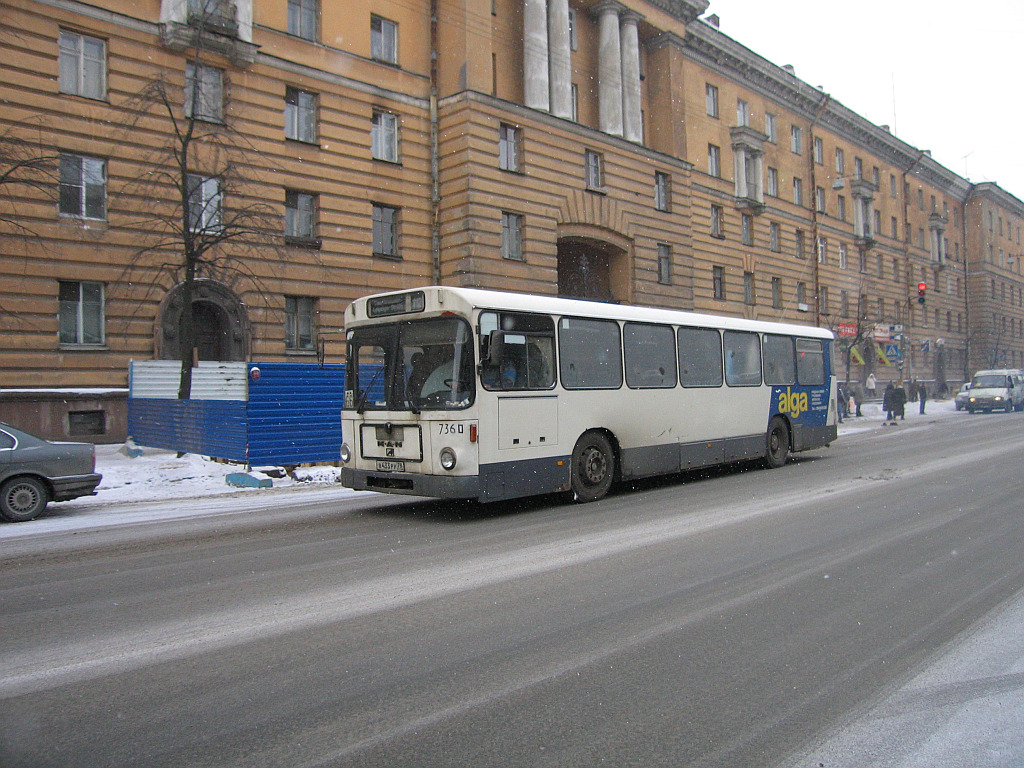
[805,404]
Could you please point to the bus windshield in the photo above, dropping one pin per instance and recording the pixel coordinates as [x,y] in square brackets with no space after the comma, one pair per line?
[410,366]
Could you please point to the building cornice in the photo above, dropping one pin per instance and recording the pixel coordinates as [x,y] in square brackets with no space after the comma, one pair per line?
[706,45]
[989,190]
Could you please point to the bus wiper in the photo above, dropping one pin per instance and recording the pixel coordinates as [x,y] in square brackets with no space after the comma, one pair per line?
[361,405]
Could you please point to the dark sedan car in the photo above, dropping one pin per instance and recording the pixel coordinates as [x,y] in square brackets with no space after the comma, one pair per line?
[34,472]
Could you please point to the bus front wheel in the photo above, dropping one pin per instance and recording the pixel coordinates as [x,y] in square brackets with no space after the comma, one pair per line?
[777,443]
[593,467]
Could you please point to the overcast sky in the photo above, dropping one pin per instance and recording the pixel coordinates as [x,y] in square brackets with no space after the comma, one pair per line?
[945,76]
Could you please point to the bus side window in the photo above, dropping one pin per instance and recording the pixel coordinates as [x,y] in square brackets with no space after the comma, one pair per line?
[650,355]
[779,365]
[700,357]
[810,361]
[517,351]
[590,353]
[742,359]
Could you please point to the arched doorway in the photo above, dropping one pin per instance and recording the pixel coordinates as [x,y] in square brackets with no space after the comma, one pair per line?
[219,319]
[593,266]
[211,330]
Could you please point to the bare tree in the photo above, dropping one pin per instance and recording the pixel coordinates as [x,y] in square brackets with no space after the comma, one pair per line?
[194,211]
[24,164]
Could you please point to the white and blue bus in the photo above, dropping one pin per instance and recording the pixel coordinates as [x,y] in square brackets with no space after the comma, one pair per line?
[465,393]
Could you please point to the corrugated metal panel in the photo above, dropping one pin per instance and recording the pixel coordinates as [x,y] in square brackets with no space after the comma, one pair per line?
[294,413]
[210,380]
[206,427]
[154,378]
[219,381]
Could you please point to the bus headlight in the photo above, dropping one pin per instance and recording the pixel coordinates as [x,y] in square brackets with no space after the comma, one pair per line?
[345,454]
[447,457]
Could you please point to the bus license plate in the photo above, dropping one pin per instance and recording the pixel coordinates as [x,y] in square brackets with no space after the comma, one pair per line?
[391,466]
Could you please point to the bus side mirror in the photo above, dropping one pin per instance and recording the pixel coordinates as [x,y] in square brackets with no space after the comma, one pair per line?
[495,347]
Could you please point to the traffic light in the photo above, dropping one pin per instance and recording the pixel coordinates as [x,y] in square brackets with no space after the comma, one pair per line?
[921,288]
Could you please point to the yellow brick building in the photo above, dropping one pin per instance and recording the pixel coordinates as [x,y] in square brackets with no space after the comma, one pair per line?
[624,151]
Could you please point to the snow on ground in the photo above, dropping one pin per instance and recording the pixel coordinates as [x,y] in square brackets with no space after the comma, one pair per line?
[159,484]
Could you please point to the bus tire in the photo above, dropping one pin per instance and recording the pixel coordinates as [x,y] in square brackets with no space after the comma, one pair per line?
[593,467]
[776,443]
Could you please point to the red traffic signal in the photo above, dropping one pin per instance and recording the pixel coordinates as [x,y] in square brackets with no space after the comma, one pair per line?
[921,288]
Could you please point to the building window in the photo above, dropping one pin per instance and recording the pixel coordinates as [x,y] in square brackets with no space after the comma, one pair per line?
[300,115]
[819,150]
[801,297]
[573,35]
[800,244]
[894,227]
[664,264]
[718,282]
[844,304]
[384,136]
[383,40]
[714,160]
[717,221]
[81,312]
[840,161]
[575,103]
[662,191]
[83,65]
[773,182]
[822,250]
[299,312]
[204,204]
[747,224]
[711,99]
[823,300]
[842,257]
[594,170]
[796,140]
[774,241]
[819,199]
[508,147]
[302,18]
[770,127]
[748,289]
[204,93]
[892,185]
[798,190]
[83,187]
[841,207]
[858,168]
[742,113]
[300,209]
[777,293]
[385,231]
[512,236]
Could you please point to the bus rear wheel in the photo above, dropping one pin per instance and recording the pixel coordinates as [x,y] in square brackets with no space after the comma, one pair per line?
[777,443]
[593,467]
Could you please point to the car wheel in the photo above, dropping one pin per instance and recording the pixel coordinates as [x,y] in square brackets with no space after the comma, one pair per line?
[777,443]
[22,499]
[593,467]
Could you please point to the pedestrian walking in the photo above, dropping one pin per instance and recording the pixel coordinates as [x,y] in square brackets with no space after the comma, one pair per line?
[842,403]
[871,384]
[922,396]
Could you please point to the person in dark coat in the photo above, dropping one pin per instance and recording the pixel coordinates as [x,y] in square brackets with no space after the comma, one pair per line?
[887,403]
[899,402]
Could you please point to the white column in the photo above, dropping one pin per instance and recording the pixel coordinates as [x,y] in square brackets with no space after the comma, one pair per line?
[535,54]
[739,155]
[609,69]
[561,62]
[632,118]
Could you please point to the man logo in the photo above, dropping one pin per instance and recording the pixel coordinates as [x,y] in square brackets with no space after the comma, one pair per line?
[793,403]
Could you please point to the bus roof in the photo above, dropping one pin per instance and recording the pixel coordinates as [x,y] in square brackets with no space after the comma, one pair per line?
[477,298]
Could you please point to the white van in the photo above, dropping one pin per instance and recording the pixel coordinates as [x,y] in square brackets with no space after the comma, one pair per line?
[997,389]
